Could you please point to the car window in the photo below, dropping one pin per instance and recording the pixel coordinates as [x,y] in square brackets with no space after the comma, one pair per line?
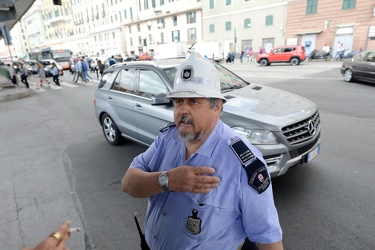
[277,50]
[106,77]
[360,57]
[171,73]
[124,81]
[371,57]
[150,84]
[229,80]
[288,49]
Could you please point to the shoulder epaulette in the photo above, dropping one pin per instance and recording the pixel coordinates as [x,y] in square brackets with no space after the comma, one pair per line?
[256,171]
[166,127]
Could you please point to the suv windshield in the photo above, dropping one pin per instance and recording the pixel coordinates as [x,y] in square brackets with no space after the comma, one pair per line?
[228,80]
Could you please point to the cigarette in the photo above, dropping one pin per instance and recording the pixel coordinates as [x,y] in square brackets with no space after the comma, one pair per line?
[74,229]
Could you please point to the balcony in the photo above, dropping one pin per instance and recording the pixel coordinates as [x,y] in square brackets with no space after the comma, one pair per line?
[103,14]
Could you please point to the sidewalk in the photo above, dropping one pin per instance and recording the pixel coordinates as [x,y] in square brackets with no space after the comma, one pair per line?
[8,92]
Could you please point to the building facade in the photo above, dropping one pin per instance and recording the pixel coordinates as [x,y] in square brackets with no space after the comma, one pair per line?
[240,25]
[314,23]
[169,28]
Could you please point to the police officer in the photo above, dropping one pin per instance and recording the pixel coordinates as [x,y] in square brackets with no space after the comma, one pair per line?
[207,187]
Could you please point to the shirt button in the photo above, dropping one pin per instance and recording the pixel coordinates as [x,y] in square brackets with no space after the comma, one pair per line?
[164,213]
[155,237]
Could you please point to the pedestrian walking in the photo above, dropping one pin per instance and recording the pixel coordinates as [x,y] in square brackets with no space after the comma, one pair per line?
[241,56]
[55,74]
[101,67]
[41,76]
[24,74]
[13,75]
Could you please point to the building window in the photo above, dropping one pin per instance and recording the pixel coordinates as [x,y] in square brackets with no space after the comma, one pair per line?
[192,34]
[131,12]
[190,17]
[138,27]
[228,2]
[269,20]
[119,13]
[146,4]
[228,26]
[113,35]
[312,6]
[348,4]
[161,37]
[211,4]
[130,29]
[247,23]
[125,14]
[176,36]
[139,40]
[131,41]
[174,20]
[212,28]
[153,3]
[161,23]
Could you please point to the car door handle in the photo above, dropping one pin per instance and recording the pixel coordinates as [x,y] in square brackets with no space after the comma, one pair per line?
[138,106]
[109,99]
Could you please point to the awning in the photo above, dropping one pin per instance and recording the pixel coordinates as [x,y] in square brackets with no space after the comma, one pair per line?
[306,32]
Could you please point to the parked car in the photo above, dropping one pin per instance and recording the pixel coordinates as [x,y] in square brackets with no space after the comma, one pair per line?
[131,58]
[131,103]
[360,68]
[283,54]
[145,57]
[47,65]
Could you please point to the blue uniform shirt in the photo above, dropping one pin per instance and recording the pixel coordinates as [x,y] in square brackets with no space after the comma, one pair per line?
[225,216]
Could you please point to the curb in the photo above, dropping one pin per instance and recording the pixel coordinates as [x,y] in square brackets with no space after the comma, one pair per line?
[13,94]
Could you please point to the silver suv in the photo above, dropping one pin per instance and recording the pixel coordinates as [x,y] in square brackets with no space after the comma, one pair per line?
[131,103]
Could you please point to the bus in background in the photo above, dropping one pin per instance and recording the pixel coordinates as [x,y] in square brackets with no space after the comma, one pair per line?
[60,55]
[36,56]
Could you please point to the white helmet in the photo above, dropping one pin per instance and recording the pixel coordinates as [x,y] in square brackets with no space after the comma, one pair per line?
[196,77]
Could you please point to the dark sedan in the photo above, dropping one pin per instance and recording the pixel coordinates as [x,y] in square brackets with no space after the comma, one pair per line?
[360,68]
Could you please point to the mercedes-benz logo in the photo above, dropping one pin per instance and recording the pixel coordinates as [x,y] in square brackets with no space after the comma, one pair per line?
[311,127]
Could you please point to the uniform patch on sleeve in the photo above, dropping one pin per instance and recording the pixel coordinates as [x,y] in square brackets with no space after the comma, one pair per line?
[257,174]
[166,127]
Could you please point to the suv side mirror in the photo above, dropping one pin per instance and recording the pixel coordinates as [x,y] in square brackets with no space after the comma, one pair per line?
[160,100]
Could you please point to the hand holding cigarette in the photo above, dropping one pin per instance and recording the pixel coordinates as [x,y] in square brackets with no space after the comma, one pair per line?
[56,240]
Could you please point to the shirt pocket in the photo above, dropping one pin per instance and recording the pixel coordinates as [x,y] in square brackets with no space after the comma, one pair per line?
[210,220]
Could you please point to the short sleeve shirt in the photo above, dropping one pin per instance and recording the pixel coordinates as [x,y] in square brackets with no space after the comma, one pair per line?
[223,217]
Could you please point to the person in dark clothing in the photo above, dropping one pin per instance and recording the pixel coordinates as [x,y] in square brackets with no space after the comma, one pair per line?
[101,67]
[55,73]
[24,74]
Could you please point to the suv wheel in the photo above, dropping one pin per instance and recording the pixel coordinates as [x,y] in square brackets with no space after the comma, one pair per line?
[294,61]
[263,62]
[110,130]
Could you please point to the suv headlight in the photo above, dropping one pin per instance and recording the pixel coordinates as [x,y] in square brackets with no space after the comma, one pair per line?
[257,136]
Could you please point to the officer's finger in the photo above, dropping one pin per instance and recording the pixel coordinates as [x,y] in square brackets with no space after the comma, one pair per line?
[208,179]
[203,170]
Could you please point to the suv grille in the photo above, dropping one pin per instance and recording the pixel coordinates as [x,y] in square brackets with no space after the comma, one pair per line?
[302,131]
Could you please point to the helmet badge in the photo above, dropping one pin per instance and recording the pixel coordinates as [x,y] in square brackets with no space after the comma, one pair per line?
[187,73]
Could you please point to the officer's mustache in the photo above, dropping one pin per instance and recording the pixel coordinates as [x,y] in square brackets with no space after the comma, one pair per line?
[185,119]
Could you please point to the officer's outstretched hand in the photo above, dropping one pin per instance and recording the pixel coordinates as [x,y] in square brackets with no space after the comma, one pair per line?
[197,179]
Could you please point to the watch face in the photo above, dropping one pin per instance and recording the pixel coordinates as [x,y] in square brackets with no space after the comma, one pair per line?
[163,179]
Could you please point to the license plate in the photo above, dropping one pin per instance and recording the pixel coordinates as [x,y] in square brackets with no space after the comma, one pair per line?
[313,154]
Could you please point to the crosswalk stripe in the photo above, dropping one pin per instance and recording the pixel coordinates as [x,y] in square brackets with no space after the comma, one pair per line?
[70,85]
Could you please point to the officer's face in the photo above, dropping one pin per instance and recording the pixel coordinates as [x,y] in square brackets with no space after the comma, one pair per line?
[195,118]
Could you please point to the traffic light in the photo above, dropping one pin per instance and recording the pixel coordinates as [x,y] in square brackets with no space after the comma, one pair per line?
[144,42]
[6,35]
[57,2]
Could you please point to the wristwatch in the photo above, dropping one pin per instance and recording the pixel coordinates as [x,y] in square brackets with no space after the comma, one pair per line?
[163,181]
